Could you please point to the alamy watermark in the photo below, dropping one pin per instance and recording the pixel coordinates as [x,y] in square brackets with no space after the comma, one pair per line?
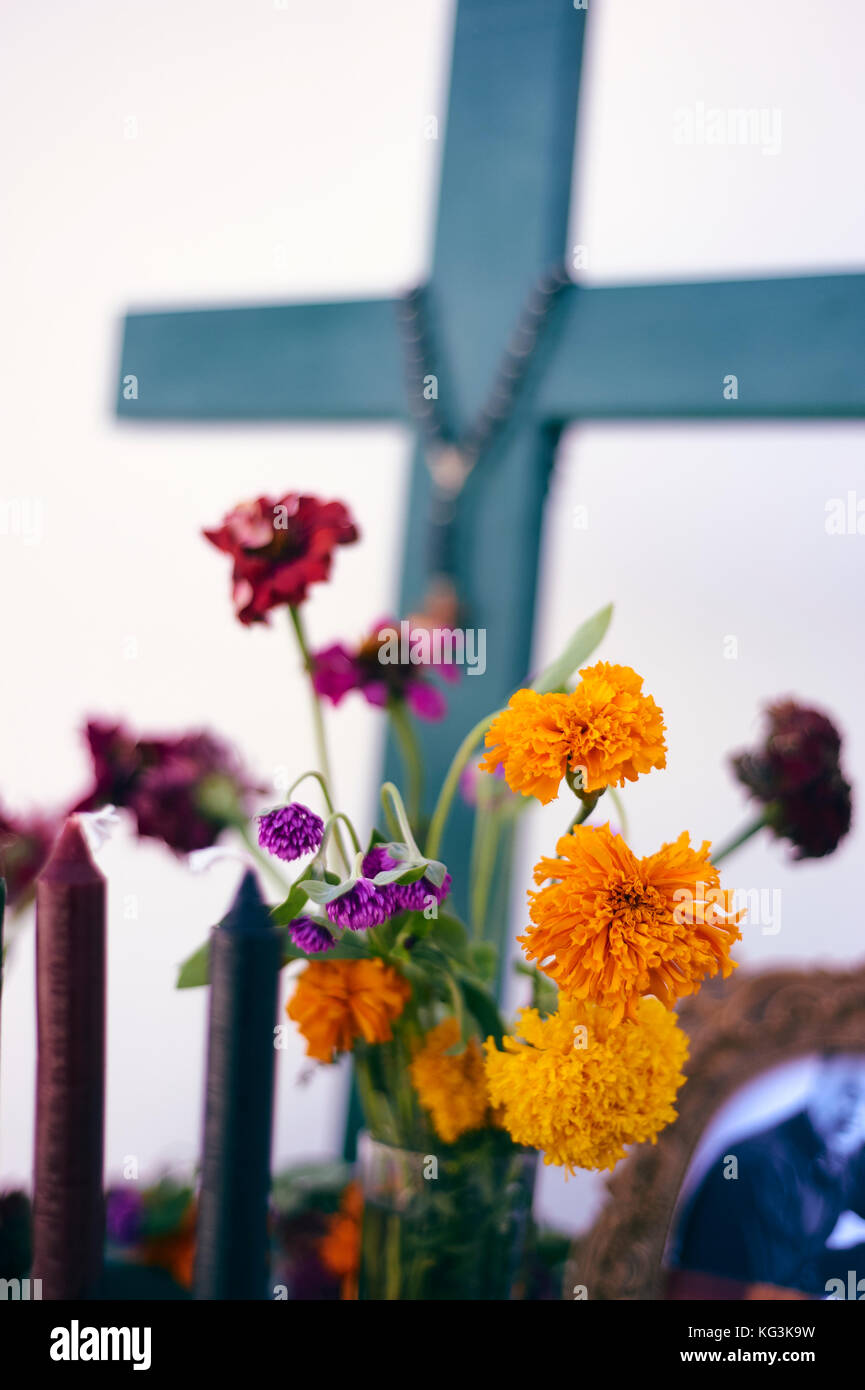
[22,517]
[434,646]
[732,125]
[761,906]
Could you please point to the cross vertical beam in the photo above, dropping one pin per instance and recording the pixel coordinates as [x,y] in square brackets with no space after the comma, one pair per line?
[503,217]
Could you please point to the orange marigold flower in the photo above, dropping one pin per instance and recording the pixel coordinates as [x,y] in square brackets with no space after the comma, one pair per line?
[579,1088]
[452,1089]
[610,927]
[606,728]
[339,1247]
[340,1000]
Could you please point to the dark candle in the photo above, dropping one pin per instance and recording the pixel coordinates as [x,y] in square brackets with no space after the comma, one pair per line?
[232,1242]
[70,1069]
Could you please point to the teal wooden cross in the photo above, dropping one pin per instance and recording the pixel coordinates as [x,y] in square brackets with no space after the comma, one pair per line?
[795,345]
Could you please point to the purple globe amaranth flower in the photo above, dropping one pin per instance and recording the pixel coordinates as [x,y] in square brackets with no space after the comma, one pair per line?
[290,831]
[363,906]
[123,1215]
[415,896]
[403,897]
[378,861]
[312,937]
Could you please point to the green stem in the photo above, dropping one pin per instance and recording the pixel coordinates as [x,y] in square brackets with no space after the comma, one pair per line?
[742,837]
[451,782]
[485,844]
[331,826]
[590,801]
[409,750]
[317,718]
[322,782]
[619,804]
[394,808]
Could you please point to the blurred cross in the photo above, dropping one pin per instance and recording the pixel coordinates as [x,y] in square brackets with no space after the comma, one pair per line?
[662,351]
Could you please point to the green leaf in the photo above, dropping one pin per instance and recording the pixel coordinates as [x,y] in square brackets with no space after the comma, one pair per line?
[545,994]
[436,872]
[291,908]
[450,934]
[579,648]
[195,970]
[322,893]
[376,838]
[399,875]
[484,958]
[482,1007]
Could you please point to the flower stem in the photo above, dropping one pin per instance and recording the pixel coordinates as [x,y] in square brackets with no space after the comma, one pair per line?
[590,801]
[451,782]
[741,838]
[485,844]
[317,719]
[263,860]
[409,749]
[395,811]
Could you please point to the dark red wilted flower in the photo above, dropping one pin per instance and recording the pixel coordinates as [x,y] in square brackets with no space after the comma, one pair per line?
[25,843]
[336,670]
[184,791]
[797,775]
[279,547]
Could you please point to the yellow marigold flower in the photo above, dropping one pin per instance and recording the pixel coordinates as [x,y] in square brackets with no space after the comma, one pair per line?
[607,727]
[452,1089]
[337,1001]
[580,1089]
[618,927]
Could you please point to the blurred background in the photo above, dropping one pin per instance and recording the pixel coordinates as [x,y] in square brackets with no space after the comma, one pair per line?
[196,154]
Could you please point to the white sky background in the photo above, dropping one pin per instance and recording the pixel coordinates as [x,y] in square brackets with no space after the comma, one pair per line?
[280,154]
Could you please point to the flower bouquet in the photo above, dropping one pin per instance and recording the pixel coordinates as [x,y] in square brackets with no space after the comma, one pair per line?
[456,1105]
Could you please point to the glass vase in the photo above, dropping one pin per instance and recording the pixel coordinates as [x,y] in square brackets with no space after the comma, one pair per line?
[449,1225]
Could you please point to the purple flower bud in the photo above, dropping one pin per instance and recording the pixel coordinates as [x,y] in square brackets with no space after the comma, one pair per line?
[312,937]
[291,831]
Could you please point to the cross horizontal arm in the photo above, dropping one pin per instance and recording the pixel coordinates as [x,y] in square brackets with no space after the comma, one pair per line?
[338,361]
[795,346]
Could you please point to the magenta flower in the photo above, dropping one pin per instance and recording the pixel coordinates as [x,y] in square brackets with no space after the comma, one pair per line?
[290,831]
[371,669]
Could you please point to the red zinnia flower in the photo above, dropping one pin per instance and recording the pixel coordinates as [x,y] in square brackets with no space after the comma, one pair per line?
[280,547]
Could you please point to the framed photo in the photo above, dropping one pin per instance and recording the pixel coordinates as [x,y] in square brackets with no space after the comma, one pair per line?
[758,1189]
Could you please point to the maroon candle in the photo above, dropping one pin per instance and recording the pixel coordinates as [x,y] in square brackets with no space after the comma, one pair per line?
[70,1069]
